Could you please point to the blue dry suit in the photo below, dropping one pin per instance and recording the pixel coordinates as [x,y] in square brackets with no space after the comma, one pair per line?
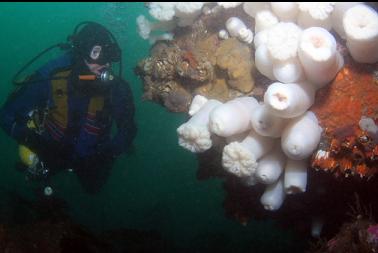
[84,136]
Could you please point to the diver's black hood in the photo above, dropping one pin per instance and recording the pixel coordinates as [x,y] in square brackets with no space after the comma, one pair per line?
[89,36]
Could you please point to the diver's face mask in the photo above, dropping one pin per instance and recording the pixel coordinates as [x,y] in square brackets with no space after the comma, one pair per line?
[98,65]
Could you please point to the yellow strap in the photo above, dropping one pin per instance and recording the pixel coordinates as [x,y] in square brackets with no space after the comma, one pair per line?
[96,104]
[59,113]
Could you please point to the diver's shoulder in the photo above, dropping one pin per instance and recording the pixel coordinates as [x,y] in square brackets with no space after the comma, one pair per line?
[58,64]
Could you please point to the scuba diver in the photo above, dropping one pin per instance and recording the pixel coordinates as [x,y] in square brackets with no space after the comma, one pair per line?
[62,115]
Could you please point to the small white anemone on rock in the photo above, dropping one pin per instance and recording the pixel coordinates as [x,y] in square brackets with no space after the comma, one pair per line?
[368,124]
[223,34]
[236,28]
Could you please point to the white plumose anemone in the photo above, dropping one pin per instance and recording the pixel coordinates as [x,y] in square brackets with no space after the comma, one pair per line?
[252,8]
[289,71]
[194,135]
[301,136]
[261,38]
[263,61]
[265,123]
[286,11]
[337,16]
[283,41]
[233,117]
[146,28]
[240,158]
[187,12]
[264,20]
[163,11]
[271,166]
[315,14]
[318,55]
[273,196]
[228,5]
[197,103]
[289,100]
[361,28]
[295,177]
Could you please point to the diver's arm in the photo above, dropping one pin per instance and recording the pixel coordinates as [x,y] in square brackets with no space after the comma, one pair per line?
[14,112]
[123,111]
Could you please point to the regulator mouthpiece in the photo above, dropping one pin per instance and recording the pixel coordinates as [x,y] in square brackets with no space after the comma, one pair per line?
[105,76]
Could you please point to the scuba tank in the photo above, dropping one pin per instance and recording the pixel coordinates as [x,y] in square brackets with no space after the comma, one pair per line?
[34,167]
[28,157]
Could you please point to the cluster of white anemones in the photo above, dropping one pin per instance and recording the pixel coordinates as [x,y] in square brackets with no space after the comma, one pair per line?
[353,21]
[271,142]
[279,22]
[169,15]
[263,146]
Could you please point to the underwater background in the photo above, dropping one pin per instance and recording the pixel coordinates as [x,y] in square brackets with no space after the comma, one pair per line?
[154,187]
